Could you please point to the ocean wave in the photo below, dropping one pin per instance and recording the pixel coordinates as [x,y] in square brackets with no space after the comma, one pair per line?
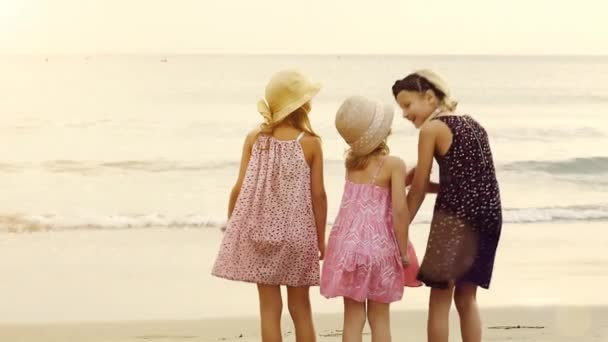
[523,134]
[9,168]
[153,166]
[551,214]
[51,222]
[589,165]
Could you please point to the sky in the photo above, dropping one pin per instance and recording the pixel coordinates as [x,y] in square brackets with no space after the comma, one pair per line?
[513,27]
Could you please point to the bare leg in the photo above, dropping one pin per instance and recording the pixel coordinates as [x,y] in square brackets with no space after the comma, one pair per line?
[271,306]
[465,298]
[298,303]
[354,321]
[378,315]
[438,324]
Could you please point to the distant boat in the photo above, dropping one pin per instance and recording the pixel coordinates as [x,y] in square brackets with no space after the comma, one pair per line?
[164,60]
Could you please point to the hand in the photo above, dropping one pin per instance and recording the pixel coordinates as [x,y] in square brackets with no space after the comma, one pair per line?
[409,177]
[405,260]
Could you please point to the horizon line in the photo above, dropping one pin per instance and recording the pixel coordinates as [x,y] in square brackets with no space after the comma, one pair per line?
[255,54]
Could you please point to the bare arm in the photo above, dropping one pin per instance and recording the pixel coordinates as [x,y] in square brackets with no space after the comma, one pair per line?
[432,188]
[319,197]
[401,214]
[420,182]
[246,155]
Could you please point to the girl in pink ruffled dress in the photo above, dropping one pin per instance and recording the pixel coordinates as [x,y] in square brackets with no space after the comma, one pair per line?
[369,258]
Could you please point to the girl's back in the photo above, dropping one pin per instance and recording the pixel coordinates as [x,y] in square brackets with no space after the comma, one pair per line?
[272,225]
[362,248]
[273,236]
[367,196]
[377,172]
[277,178]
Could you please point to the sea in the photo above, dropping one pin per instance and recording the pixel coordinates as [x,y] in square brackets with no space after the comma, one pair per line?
[154,141]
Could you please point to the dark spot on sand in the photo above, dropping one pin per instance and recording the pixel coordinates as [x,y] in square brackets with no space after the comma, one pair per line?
[509,327]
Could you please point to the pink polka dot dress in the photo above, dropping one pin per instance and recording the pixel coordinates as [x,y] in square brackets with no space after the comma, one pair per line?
[271,236]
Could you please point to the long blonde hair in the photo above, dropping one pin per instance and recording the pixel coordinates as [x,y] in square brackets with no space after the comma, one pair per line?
[297,119]
[355,162]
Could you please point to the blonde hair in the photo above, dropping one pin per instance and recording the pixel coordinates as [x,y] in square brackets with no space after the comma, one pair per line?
[448,104]
[297,119]
[356,162]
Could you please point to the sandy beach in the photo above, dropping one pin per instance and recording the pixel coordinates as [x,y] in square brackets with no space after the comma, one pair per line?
[154,284]
[121,134]
[546,324]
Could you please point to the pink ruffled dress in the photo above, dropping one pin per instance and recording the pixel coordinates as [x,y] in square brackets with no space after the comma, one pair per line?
[362,258]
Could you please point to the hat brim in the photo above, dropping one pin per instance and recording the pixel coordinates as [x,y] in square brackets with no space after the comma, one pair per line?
[379,135]
[313,90]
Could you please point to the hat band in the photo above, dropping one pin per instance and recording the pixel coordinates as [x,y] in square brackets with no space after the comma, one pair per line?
[371,131]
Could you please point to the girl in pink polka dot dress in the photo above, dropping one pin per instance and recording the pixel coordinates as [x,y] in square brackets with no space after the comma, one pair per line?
[278,207]
[369,256]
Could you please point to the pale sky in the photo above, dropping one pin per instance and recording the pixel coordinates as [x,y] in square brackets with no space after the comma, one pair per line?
[304,27]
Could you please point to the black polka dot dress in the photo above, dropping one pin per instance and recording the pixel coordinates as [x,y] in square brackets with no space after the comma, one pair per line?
[467,217]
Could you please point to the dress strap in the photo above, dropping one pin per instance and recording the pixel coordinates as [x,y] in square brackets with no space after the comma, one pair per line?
[481,152]
[300,136]
[379,169]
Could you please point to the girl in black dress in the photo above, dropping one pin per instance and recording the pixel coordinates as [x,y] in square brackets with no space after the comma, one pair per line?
[467,217]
